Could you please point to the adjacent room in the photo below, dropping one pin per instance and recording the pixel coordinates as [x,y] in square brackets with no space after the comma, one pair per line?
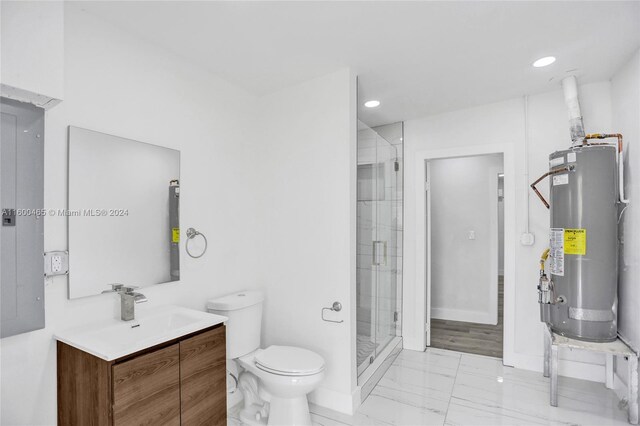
[467,285]
[327,213]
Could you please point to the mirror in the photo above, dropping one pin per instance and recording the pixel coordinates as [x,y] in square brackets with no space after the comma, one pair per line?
[123,213]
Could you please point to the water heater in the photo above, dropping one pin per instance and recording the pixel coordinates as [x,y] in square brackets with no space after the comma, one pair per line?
[579,299]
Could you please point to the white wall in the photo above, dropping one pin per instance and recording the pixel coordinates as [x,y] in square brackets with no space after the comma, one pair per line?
[464,198]
[625,89]
[307,203]
[501,227]
[503,123]
[119,84]
[625,96]
[32,49]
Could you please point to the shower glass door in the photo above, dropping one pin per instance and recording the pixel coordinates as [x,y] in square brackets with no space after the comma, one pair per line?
[377,245]
[385,248]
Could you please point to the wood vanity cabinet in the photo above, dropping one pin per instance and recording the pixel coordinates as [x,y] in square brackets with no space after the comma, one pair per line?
[180,382]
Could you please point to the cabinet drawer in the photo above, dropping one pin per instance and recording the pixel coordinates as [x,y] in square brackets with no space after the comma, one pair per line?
[203,379]
[146,389]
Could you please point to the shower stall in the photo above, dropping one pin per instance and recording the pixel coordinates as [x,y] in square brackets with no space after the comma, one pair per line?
[379,237]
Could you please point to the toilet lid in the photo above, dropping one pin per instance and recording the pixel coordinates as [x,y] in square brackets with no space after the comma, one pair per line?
[289,361]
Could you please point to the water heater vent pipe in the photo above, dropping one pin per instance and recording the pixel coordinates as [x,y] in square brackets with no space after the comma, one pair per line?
[570,88]
[578,136]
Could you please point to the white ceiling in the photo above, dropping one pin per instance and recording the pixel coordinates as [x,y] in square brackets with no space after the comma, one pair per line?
[417,58]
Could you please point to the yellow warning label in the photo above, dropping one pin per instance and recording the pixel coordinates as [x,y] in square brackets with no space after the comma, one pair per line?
[575,241]
[175,235]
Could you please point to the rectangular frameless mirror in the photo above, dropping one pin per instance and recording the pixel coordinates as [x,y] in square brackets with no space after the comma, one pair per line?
[123,213]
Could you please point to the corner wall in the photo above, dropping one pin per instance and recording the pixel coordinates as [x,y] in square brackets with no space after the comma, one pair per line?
[306,194]
[625,94]
[625,88]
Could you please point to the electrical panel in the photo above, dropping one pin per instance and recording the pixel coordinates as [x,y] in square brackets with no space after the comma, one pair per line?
[22,230]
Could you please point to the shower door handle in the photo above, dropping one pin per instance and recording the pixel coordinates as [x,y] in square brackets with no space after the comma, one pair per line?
[376,262]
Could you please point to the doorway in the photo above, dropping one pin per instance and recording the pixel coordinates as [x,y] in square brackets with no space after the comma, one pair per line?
[467,242]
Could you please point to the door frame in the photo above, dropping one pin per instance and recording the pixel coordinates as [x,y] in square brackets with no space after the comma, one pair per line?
[423,244]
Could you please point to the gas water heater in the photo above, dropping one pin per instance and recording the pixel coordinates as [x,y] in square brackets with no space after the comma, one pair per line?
[579,299]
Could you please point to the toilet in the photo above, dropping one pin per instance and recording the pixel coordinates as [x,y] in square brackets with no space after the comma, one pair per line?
[274,381]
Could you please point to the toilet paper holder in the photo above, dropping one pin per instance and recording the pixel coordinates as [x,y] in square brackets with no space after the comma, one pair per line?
[336,307]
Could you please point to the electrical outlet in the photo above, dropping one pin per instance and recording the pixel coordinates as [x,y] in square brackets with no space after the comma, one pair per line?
[56,263]
[472,235]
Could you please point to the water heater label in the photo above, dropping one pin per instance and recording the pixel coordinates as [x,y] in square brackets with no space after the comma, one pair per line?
[571,157]
[575,241]
[562,179]
[556,252]
[554,162]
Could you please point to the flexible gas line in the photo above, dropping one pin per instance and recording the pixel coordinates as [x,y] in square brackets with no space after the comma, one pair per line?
[543,259]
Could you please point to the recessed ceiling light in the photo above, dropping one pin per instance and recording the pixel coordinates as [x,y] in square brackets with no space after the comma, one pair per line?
[543,62]
[372,104]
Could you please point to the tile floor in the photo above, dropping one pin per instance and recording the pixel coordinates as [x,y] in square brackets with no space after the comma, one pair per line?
[440,387]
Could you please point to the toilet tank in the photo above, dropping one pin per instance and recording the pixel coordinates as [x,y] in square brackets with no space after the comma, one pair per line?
[244,310]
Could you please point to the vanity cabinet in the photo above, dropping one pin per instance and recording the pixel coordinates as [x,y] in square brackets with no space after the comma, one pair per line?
[146,389]
[180,382]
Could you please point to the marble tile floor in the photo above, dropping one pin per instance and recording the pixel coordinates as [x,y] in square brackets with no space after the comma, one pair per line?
[440,387]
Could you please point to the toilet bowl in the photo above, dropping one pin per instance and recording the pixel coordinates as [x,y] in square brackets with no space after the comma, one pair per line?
[287,374]
[284,375]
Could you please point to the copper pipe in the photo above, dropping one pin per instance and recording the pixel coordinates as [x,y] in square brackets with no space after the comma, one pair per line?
[605,136]
[549,173]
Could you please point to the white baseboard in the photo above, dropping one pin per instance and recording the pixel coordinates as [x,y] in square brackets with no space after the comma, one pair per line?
[336,401]
[478,317]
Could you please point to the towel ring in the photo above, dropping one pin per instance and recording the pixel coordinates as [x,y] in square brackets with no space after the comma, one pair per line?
[191,234]
[336,307]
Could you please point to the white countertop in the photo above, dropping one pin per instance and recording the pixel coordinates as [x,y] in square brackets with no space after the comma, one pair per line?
[112,339]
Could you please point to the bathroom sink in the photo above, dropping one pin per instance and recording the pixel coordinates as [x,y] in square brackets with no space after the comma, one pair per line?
[113,339]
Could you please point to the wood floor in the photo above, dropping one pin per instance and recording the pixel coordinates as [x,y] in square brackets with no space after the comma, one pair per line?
[481,339]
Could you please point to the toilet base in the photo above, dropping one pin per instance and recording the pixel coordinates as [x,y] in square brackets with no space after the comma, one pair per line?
[254,415]
[289,411]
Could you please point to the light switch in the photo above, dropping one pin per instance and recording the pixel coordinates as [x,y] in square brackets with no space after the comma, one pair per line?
[472,235]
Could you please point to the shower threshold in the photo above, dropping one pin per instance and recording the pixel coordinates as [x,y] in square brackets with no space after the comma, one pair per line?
[370,376]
